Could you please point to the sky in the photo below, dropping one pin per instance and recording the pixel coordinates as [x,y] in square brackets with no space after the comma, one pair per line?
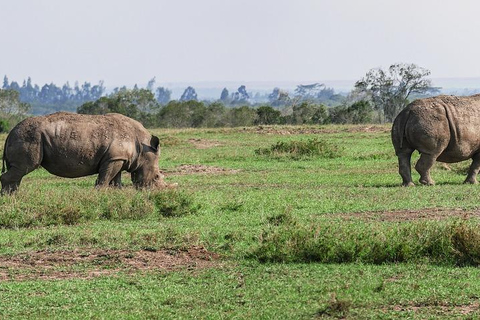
[125,42]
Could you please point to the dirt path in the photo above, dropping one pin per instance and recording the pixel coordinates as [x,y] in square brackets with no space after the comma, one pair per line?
[186,169]
[204,143]
[411,215]
[84,263]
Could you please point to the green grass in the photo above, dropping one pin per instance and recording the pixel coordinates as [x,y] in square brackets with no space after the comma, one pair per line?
[259,291]
[293,231]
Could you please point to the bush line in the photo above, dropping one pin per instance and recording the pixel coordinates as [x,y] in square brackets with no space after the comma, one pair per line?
[57,208]
[455,242]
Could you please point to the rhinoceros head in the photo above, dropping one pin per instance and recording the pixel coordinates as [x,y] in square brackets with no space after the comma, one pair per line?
[148,175]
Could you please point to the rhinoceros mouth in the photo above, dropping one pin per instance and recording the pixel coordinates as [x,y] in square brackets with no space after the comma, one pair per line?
[140,183]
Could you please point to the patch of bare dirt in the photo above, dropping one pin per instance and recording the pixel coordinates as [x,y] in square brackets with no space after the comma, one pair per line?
[442,308]
[185,169]
[368,129]
[410,215]
[204,143]
[92,263]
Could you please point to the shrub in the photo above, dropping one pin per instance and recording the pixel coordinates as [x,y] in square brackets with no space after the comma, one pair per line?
[268,115]
[450,243]
[301,148]
[466,244]
[173,203]
[308,113]
[4,126]
[359,112]
[169,141]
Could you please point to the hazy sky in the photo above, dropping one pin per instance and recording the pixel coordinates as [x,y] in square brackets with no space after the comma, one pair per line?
[127,42]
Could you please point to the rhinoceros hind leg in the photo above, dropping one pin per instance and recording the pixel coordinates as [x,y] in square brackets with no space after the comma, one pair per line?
[423,166]
[108,173]
[404,168]
[11,179]
[117,181]
[473,170]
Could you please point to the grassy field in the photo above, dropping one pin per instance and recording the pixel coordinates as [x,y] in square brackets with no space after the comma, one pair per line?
[267,222]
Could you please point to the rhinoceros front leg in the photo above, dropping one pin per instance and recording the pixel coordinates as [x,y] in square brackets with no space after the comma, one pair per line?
[473,171]
[423,166]
[109,173]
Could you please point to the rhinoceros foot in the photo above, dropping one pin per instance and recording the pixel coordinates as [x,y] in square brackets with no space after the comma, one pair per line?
[408,184]
[427,182]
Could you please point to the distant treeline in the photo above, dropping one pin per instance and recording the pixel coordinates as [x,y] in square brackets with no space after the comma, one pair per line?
[51,98]
[378,97]
[141,104]
[154,108]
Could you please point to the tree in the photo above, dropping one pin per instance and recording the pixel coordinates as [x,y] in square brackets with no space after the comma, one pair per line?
[268,115]
[151,84]
[138,104]
[241,96]
[215,115]
[5,82]
[163,95]
[359,112]
[225,96]
[309,91]
[242,116]
[309,113]
[182,114]
[189,94]
[11,108]
[278,97]
[97,91]
[27,91]
[389,90]
[14,86]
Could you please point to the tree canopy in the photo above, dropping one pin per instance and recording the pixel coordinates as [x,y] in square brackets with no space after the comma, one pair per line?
[12,109]
[389,90]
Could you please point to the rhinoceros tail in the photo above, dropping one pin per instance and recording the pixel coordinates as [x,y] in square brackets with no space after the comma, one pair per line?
[398,128]
[4,160]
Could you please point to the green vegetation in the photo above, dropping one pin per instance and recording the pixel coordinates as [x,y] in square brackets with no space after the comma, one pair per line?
[453,243]
[300,235]
[385,92]
[298,149]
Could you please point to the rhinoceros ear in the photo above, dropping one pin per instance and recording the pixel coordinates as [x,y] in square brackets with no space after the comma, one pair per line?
[154,143]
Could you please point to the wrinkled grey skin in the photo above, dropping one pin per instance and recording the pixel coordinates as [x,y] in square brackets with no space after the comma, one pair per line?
[443,128]
[74,145]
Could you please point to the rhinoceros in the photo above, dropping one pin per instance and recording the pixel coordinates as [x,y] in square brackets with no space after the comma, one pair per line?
[442,128]
[74,145]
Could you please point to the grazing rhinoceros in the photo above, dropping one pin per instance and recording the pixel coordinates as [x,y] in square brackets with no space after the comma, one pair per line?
[443,128]
[74,145]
